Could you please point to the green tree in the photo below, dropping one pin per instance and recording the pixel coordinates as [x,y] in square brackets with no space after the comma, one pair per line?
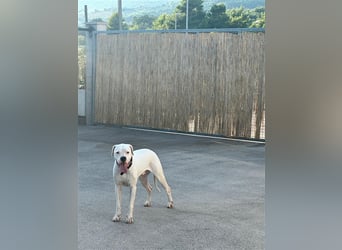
[259,22]
[259,10]
[246,18]
[142,22]
[196,17]
[164,22]
[196,14]
[217,17]
[113,23]
[238,18]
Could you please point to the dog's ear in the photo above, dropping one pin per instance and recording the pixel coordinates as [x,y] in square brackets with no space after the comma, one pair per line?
[113,148]
[131,148]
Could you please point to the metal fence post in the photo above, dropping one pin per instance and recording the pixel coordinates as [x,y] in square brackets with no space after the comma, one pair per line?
[93,27]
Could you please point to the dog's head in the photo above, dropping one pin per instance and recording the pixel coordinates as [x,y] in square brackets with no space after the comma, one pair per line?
[123,154]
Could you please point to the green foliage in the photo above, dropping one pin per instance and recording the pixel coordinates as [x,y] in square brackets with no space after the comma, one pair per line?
[164,22]
[196,17]
[142,22]
[196,14]
[230,4]
[133,8]
[259,23]
[260,20]
[216,17]
[238,18]
[113,23]
[246,18]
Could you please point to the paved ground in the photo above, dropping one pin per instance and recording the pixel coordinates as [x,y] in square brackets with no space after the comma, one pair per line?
[218,190]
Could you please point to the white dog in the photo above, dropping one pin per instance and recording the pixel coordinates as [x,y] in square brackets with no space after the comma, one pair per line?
[128,167]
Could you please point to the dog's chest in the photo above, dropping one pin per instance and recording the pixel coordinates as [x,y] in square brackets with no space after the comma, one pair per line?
[122,179]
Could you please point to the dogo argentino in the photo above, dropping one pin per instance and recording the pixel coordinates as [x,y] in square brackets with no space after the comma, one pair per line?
[130,165]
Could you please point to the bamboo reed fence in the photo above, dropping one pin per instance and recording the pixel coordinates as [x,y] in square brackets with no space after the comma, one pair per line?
[212,83]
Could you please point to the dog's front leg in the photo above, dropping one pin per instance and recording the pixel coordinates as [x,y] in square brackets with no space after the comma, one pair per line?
[118,191]
[131,204]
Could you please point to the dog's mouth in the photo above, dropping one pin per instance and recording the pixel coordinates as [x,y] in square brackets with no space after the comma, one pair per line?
[124,166]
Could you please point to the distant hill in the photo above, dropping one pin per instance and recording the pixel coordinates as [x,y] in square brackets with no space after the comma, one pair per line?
[130,8]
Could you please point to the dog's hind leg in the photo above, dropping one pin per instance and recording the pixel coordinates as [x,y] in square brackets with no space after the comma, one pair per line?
[161,178]
[144,181]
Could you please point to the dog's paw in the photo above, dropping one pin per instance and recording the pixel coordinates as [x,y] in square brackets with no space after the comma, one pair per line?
[170,205]
[129,220]
[147,204]
[116,218]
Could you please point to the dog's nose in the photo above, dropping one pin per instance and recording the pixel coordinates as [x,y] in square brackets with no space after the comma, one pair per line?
[123,158]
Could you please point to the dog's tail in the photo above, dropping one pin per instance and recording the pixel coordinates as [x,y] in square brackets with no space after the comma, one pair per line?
[156,183]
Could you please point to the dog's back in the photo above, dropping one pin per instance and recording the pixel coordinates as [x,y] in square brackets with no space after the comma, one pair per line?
[145,154]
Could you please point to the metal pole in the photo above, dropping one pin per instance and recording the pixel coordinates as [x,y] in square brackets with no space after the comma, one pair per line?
[187,15]
[175,21]
[120,13]
[86,13]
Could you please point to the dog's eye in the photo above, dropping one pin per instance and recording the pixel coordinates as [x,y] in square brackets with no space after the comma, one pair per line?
[117,152]
[127,152]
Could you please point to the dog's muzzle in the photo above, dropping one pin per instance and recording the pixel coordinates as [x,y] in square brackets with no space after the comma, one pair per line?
[124,166]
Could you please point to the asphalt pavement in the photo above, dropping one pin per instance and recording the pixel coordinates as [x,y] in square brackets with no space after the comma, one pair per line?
[218,188]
